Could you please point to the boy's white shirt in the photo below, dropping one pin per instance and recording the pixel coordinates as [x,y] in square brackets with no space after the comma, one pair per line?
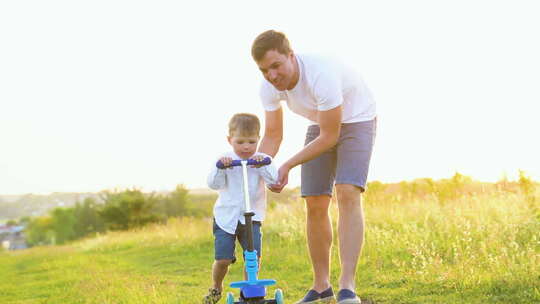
[229,207]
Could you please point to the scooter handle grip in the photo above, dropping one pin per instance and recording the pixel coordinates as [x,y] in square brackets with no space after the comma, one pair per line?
[250,162]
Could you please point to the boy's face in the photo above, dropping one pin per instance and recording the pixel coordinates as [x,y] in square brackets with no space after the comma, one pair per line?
[244,146]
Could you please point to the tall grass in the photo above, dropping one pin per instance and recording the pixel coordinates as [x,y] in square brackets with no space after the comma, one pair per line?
[426,241]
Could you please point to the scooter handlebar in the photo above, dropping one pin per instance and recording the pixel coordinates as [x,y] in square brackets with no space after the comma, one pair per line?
[250,162]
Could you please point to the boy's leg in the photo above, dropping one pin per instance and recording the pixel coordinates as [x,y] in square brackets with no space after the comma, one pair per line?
[224,244]
[219,270]
[257,240]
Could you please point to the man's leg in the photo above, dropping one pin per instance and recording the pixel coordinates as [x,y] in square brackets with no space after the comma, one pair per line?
[316,187]
[350,232]
[319,237]
[353,158]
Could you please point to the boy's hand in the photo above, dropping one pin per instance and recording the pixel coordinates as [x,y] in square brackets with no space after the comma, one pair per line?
[257,158]
[226,161]
[283,179]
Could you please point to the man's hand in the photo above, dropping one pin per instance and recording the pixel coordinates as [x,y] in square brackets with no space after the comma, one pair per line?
[283,178]
[227,162]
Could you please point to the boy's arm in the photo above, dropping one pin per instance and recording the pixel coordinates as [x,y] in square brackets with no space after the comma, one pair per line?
[217,179]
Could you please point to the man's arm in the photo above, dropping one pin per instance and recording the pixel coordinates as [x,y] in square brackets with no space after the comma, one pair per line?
[273,132]
[330,125]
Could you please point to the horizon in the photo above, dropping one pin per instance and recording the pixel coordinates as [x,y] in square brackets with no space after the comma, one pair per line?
[199,190]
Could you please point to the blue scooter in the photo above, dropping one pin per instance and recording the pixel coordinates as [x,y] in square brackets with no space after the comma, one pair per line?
[253,290]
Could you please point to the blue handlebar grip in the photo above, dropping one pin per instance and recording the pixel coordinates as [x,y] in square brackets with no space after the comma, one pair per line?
[251,162]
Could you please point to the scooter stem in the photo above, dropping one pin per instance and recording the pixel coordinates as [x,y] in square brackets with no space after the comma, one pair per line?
[246,188]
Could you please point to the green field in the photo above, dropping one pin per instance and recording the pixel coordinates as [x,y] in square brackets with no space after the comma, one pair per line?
[481,247]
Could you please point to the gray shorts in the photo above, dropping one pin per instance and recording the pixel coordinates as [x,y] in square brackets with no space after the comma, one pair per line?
[345,163]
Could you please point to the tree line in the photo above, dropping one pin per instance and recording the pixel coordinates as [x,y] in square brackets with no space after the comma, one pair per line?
[129,209]
[120,210]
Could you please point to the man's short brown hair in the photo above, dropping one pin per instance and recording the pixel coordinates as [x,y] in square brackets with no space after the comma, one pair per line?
[244,124]
[270,40]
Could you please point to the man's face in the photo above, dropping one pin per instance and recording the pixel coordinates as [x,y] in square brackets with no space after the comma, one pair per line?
[279,69]
[244,146]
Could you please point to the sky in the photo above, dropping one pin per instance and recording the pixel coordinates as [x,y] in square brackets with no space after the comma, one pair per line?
[98,95]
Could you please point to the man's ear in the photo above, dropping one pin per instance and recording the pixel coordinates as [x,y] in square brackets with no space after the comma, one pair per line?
[229,139]
[291,54]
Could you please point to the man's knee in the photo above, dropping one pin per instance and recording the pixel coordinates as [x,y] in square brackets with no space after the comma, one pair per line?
[317,206]
[348,195]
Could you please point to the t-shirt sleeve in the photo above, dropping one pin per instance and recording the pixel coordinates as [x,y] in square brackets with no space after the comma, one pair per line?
[327,89]
[269,97]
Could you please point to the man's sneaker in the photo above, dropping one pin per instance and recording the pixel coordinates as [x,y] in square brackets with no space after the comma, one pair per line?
[212,297]
[327,296]
[346,296]
[313,296]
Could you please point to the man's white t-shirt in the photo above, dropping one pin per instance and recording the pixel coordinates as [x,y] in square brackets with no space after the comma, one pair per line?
[230,206]
[323,84]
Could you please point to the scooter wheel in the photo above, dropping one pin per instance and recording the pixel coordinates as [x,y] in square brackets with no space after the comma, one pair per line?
[230,298]
[278,295]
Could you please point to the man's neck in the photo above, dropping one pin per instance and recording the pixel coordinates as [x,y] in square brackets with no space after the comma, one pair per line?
[296,75]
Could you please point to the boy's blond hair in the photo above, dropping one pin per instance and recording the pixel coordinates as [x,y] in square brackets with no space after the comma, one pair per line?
[244,124]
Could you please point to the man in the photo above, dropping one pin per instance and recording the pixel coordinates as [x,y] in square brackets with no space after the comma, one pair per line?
[337,151]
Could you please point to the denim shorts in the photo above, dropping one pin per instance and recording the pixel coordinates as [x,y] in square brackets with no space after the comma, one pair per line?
[224,242]
[345,163]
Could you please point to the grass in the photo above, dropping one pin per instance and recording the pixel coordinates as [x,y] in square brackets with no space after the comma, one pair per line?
[474,248]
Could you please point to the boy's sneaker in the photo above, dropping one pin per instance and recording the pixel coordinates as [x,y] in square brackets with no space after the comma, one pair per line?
[346,296]
[313,297]
[212,297]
